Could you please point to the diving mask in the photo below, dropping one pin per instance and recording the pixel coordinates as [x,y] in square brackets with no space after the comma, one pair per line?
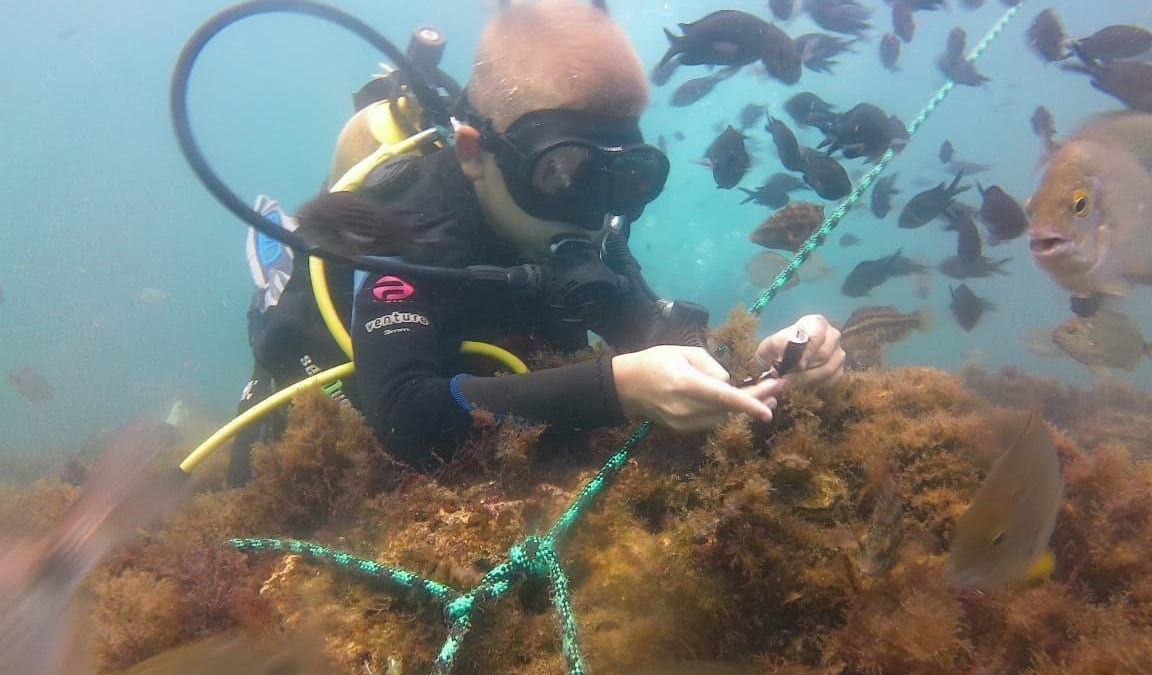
[576,167]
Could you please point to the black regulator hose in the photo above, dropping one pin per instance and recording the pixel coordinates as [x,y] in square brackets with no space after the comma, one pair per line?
[424,93]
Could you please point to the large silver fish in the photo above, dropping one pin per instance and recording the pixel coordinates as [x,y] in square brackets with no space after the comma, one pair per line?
[1091,217]
[1007,526]
[39,576]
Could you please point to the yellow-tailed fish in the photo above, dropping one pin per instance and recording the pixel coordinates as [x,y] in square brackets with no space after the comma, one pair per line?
[1007,526]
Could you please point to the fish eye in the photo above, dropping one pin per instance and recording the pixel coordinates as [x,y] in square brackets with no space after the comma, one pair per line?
[997,538]
[1080,203]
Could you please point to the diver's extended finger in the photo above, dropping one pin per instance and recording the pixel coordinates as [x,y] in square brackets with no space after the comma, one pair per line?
[723,397]
[702,361]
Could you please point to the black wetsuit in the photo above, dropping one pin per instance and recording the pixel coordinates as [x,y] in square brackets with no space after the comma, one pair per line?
[406,332]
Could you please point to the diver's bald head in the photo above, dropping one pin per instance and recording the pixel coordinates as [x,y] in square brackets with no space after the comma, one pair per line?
[555,54]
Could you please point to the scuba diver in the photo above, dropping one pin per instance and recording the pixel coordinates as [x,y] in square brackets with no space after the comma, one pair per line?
[547,169]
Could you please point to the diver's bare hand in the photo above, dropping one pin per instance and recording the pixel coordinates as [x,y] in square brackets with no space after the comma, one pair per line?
[686,389]
[823,359]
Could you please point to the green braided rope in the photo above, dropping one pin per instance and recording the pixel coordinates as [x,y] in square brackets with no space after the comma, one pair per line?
[361,566]
[817,238]
[536,556]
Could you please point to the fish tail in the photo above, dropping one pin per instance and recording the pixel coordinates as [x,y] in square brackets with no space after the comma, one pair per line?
[674,47]
[954,188]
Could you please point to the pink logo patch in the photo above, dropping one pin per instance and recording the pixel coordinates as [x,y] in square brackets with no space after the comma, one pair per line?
[391,289]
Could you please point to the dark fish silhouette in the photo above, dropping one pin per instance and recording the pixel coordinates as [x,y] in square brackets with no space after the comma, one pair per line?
[969,260]
[946,151]
[953,64]
[1128,81]
[930,204]
[774,192]
[968,307]
[782,9]
[780,55]
[863,131]
[723,38]
[926,5]
[1003,216]
[31,384]
[882,191]
[728,158]
[1046,36]
[903,23]
[1043,124]
[900,135]
[890,52]
[787,147]
[751,114]
[839,16]
[849,240]
[697,88]
[818,50]
[662,72]
[678,135]
[871,273]
[825,175]
[1114,43]
[809,110]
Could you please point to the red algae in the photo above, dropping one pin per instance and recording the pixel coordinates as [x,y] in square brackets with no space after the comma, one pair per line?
[739,545]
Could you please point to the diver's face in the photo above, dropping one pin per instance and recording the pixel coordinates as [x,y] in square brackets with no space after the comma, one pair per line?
[529,234]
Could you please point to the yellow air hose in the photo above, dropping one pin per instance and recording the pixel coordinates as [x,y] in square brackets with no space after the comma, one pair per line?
[385,123]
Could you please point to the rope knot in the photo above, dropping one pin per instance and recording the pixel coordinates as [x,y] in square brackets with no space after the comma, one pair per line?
[529,556]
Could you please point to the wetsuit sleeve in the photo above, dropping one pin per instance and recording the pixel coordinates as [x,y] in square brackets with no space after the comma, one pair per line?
[418,408]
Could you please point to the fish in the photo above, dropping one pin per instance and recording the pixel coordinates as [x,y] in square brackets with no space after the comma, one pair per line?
[873,326]
[903,23]
[780,55]
[789,227]
[955,268]
[839,16]
[31,384]
[880,545]
[946,151]
[890,52]
[954,44]
[1090,220]
[723,38]
[969,260]
[809,110]
[763,267]
[662,72]
[972,4]
[863,131]
[782,9]
[1110,339]
[1007,525]
[869,274]
[1003,216]
[849,240]
[900,136]
[39,576]
[1043,124]
[825,175]
[968,307]
[881,199]
[926,5]
[930,204]
[774,192]
[751,114]
[678,135]
[697,88]
[1046,36]
[1114,43]
[818,50]
[962,71]
[787,147]
[728,158]
[1130,82]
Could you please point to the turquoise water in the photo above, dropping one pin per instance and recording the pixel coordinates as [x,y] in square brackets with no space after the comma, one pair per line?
[125,284]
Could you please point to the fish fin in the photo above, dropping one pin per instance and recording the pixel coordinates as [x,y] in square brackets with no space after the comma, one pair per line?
[673,46]
[1042,567]
[927,319]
